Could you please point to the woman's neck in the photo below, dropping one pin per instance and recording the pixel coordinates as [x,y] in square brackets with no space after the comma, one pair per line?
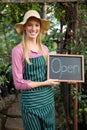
[32,44]
[33,47]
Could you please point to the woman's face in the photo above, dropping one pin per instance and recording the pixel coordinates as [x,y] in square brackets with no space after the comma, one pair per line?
[32,28]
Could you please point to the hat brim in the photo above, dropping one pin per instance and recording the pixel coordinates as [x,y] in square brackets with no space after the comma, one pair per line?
[45,25]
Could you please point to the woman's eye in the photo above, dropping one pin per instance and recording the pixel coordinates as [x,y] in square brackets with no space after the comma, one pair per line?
[37,25]
[29,25]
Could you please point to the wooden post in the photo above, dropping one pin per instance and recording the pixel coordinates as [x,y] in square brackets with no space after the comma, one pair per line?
[76,22]
[76,85]
[76,109]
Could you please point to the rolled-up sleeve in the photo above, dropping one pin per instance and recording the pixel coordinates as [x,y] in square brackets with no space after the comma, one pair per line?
[18,69]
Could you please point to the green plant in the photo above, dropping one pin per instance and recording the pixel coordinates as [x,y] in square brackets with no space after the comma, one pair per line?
[2,80]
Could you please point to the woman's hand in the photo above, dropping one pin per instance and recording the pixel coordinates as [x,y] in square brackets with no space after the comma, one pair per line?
[51,82]
[72,82]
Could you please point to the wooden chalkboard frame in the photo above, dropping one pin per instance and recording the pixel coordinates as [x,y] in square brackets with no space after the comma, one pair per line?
[66,56]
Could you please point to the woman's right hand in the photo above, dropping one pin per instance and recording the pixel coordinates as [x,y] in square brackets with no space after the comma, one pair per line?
[51,82]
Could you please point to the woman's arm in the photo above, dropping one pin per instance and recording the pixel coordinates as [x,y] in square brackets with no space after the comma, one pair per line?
[49,82]
[17,69]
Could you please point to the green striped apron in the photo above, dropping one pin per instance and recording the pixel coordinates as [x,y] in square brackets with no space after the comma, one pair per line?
[37,104]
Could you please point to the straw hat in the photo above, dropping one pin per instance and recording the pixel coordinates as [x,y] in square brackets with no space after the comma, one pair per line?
[45,24]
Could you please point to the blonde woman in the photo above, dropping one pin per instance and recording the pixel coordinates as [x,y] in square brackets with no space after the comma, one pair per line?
[29,70]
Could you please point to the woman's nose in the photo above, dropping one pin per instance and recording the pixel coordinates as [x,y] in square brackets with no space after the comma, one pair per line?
[33,27]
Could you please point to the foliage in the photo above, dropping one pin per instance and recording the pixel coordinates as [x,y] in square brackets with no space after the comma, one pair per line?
[5,78]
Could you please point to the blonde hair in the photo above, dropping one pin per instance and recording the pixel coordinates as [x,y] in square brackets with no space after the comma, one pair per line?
[26,48]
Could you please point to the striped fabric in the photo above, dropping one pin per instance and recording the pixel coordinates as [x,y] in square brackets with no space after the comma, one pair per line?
[37,104]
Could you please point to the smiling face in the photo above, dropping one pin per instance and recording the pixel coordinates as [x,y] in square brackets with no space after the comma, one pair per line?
[32,28]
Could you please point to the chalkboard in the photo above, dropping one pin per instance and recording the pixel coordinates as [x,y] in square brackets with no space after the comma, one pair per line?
[66,67]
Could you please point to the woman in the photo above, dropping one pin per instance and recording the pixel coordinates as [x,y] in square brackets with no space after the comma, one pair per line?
[30,74]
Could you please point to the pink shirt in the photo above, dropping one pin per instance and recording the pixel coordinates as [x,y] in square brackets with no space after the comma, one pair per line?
[18,66]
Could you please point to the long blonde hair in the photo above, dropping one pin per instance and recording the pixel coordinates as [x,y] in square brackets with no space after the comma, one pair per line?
[26,48]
